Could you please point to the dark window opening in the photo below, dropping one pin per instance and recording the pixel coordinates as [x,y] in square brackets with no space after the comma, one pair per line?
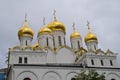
[25,59]
[78,44]
[92,61]
[26,42]
[71,45]
[73,79]
[95,47]
[113,79]
[47,42]
[20,59]
[26,79]
[64,41]
[111,63]
[102,62]
[53,42]
[59,40]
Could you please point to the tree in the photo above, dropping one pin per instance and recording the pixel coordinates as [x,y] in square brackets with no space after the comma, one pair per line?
[91,75]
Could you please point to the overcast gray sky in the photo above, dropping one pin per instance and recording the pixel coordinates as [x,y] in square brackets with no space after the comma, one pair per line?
[104,17]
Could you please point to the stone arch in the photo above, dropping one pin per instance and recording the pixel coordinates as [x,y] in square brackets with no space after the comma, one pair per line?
[27,78]
[51,75]
[111,76]
[71,75]
[27,74]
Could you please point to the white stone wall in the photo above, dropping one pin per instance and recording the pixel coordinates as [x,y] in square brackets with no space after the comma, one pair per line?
[57,73]
[97,60]
[42,40]
[74,43]
[32,57]
[62,35]
[23,40]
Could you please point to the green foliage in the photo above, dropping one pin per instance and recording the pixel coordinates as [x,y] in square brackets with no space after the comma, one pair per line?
[91,75]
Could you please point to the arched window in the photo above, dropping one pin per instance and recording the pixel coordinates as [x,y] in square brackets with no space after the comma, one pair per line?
[73,79]
[26,42]
[47,41]
[111,63]
[59,40]
[92,61]
[95,47]
[25,59]
[64,41]
[26,79]
[102,62]
[78,44]
[113,79]
[20,59]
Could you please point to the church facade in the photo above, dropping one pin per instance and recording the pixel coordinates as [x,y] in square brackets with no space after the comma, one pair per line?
[50,58]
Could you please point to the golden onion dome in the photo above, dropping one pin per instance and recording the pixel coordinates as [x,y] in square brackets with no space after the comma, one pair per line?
[75,34]
[35,46]
[44,30]
[90,37]
[25,30]
[56,25]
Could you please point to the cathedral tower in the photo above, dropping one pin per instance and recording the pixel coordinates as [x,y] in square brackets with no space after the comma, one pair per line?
[91,40]
[45,37]
[25,35]
[59,31]
[76,40]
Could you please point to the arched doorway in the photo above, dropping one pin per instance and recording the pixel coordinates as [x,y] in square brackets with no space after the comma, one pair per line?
[26,79]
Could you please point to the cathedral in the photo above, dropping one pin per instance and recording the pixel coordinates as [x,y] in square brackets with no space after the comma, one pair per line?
[50,58]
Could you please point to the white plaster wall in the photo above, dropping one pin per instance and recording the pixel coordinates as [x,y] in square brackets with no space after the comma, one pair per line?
[42,40]
[57,73]
[74,42]
[50,57]
[90,45]
[33,57]
[65,55]
[23,41]
[55,35]
[97,60]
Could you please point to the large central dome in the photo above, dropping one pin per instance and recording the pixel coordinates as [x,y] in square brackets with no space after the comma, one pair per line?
[56,25]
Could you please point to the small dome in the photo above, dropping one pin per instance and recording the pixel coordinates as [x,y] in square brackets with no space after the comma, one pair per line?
[25,31]
[44,30]
[90,37]
[55,25]
[35,46]
[75,34]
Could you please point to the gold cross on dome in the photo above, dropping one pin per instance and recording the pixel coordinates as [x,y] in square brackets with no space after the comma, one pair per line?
[25,17]
[73,26]
[43,20]
[54,13]
[88,24]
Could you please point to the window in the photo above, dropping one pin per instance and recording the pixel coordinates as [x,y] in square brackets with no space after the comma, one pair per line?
[95,47]
[78,44]
[113,79]
[26,42]
[64,41]
[20,59]
[26,79]
[102,62]
[47,42]
[73,79]
[59,40]
[92,61]
[25,59]
[111,63]
[53,42]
